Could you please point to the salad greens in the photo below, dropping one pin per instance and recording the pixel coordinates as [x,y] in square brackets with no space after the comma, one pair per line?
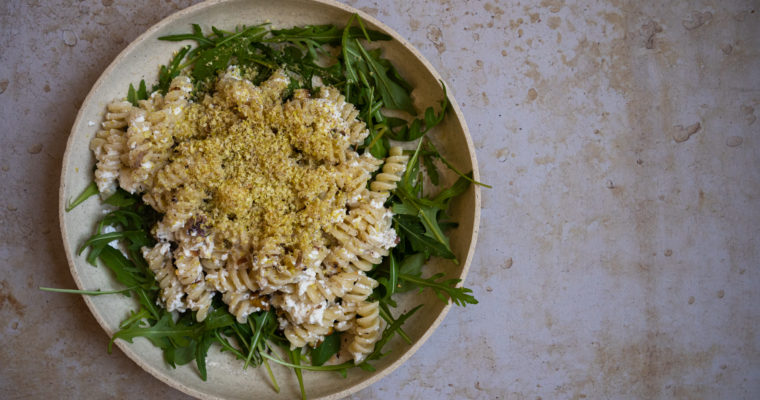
[373,85]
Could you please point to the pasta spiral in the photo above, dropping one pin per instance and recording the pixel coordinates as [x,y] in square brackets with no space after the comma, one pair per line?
[339,303]
[394,166]
[149,136]
[354,129]
[160,262]
[366,331]
[365,235]
[108,146]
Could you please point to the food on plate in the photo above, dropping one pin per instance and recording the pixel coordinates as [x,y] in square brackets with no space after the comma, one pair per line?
[261,199]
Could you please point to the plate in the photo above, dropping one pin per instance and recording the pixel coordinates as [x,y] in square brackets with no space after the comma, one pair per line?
[226,378]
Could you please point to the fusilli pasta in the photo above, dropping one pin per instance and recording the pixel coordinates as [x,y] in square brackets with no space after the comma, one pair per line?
[263,201]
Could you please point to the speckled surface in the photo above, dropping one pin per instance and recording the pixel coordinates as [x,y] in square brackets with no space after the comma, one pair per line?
[618,253]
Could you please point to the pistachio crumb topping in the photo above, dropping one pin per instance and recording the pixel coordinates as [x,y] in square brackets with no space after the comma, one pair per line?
[258,167]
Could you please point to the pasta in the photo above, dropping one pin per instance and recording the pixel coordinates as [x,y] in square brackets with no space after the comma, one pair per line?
[108,145]
[366,332]
[159,261]
[263,200]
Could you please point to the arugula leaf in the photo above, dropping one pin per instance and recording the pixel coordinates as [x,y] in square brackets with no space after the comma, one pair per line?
[120,198]
[415,233]
[89,191]
[433,152]
[392,72]
[429,218]
[378,144]
[456,189]
[127,219]
[214,52]
[201,351]
[197,35]
[393,271]
[310,37]
[389,283]
[261,320]
[461,296]
[167,73]
[127,274]
[394,95]
[419,127]
[241,37]
[386,315]
[403,209]
[218,318]
[417,211]
[135,317]
[180,355]
[123,269]
[210,61]
[326,349]
[410,265]
[104,238]
[132,95]
[159,334]
[431,169]
[351,57]
[142,92]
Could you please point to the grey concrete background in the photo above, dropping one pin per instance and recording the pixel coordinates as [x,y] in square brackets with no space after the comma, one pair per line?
[619,249]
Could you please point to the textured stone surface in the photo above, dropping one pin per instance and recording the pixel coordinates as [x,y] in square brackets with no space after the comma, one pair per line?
[618,254]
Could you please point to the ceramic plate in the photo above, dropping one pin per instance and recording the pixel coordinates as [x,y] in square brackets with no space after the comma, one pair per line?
[226,378]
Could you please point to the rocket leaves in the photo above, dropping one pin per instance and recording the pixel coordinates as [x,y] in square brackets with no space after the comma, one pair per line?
[328,347]
[394,96]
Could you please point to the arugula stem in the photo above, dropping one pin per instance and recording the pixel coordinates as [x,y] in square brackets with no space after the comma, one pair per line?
[252,347]
[241,33]
[364,30]
[97,292]
[295,355]
[426,219]
[458,295]
[413,160]
[88,192]
[187,64]
[338,367]
[453,168]
[243,343]
[393,270]
[422,282]
[377,137]
[389,319]
[255,338]
[135,317]
[276,387]
[147,303]
[227,346]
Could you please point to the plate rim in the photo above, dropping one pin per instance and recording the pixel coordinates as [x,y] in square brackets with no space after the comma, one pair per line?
[122,345]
